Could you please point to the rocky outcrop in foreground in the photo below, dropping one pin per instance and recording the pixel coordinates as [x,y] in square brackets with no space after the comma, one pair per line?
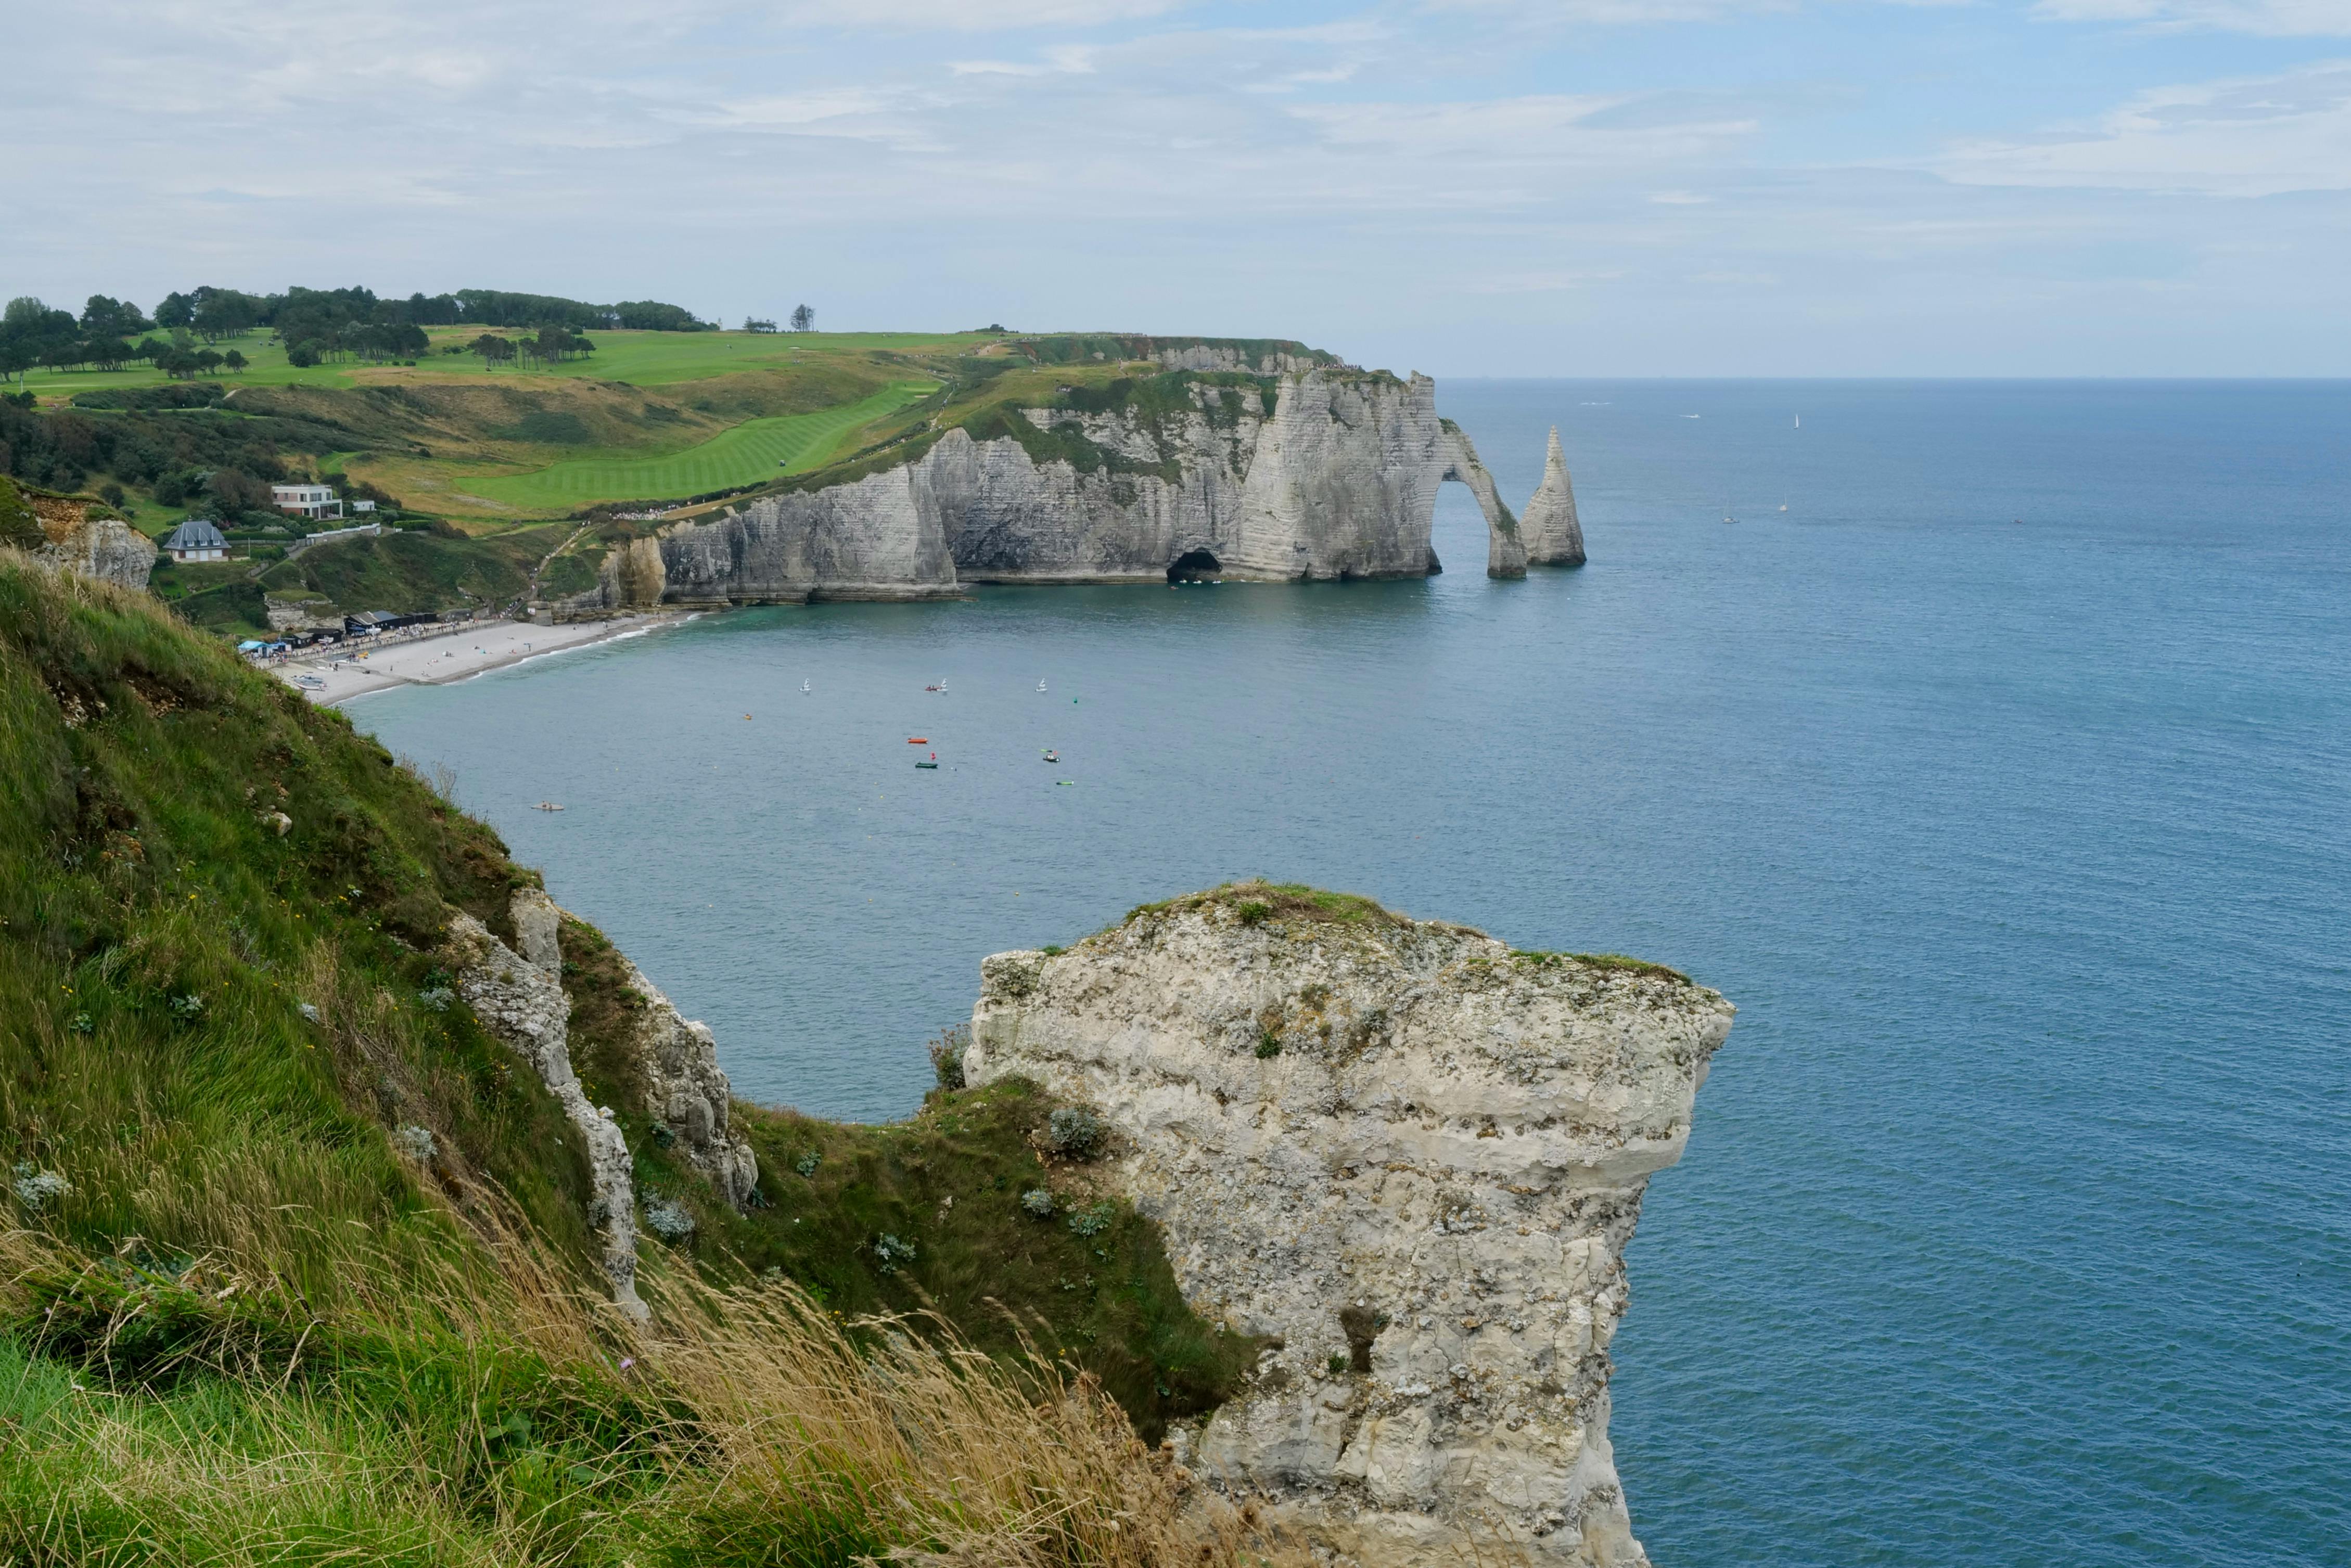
[1410,1158]
[1320,472]
[75,533]
[519,997]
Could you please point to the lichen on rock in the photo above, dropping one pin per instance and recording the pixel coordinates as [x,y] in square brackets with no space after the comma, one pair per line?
[1422,1199]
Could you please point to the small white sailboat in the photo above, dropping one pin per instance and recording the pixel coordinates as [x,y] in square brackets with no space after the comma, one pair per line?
[1799,422]
[1041,685]
[804,686]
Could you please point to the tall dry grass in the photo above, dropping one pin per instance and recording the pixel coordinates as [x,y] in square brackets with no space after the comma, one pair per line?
[507,1416]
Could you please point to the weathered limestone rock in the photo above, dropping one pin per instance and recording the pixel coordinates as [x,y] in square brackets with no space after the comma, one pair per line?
[879,537]
[1553,535]
[1412,1158]
[677,1062]
[523,1005]
[1335,477]
[103,548]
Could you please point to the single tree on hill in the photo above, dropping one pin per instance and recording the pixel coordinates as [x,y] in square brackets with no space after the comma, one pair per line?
[803,319]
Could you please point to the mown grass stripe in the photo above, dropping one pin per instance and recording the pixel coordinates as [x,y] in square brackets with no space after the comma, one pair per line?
[754,450]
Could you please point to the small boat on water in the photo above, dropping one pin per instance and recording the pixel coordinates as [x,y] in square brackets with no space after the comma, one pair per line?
[1041,685]
[804,686]
[917,740]
[546,806]
[1053,756]
[934,762]
[1063,783]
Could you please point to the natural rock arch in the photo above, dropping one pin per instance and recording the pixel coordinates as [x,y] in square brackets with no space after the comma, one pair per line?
[1506,552]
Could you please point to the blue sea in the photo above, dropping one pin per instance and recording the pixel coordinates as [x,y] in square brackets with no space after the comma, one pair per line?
[1995,761]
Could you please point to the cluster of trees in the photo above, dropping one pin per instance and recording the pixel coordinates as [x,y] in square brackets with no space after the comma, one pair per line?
[804,320]
[315,325]
[551,345]
[32,334]
[175,452]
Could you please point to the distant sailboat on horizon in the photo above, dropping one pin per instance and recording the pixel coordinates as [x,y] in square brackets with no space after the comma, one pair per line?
[1799,422]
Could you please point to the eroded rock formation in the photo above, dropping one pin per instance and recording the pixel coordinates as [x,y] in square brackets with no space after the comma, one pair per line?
[524,1007]
[1323,472]
[519,997]
[1553,535]
[1412,1158]
[75,533]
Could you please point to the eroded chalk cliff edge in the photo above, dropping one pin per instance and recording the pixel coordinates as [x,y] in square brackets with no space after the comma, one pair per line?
[1409,1156]
[1321,472]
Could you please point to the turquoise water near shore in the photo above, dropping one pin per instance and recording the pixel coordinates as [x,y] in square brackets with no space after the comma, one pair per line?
[2004,782]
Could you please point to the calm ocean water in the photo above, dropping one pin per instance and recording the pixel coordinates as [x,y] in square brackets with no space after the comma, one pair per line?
[2003,780]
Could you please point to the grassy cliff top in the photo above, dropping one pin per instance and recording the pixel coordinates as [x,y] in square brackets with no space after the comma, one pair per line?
[247,1315]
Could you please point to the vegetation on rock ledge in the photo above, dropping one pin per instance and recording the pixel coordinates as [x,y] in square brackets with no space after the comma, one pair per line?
[294,1264]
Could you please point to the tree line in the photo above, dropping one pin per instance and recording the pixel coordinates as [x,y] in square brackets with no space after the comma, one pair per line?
[314,324]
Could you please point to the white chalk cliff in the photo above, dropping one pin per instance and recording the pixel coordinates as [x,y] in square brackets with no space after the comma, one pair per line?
[518,997]
[1323,472]
[1553,535]
[1408,1156]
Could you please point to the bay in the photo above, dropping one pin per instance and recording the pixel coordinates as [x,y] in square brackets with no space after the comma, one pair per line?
[2001,779]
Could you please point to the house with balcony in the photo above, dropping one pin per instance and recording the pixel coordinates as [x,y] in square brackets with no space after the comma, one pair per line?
[306,500]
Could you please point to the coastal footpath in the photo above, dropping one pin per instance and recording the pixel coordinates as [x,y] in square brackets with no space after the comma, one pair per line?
[1325,472]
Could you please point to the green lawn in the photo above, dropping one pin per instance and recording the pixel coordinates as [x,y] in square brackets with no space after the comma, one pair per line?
[754,450]
[641,358]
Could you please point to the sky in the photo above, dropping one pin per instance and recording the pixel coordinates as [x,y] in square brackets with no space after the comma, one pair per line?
[1466,187]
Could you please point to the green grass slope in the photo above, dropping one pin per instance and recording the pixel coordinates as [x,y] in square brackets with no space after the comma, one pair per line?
[748,453]
[249,1314]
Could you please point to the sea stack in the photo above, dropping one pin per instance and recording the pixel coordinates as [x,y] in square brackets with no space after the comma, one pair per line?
[1553,536]
[1404,1157]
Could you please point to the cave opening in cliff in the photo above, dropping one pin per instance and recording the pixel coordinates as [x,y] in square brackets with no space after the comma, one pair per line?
[1195,566]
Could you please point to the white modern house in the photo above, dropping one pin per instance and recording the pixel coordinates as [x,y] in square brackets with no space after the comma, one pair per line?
[196,539]
[306,500]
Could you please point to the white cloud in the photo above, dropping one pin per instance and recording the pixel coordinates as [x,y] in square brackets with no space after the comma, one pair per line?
[2271,18]
[971,15]
[1543,128]
[2258,136]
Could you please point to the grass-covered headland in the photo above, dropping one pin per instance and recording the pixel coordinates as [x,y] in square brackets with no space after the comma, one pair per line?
[294,1258]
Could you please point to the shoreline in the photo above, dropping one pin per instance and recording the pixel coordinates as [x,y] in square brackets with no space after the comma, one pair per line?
[462,652]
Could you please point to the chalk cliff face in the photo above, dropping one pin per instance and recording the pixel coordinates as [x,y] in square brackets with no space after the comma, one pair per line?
[105,549]
[1412,1158]
[1553,534]
[519,997]
[1337,478]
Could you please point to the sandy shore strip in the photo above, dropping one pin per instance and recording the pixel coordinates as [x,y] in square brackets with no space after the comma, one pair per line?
[466,649]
